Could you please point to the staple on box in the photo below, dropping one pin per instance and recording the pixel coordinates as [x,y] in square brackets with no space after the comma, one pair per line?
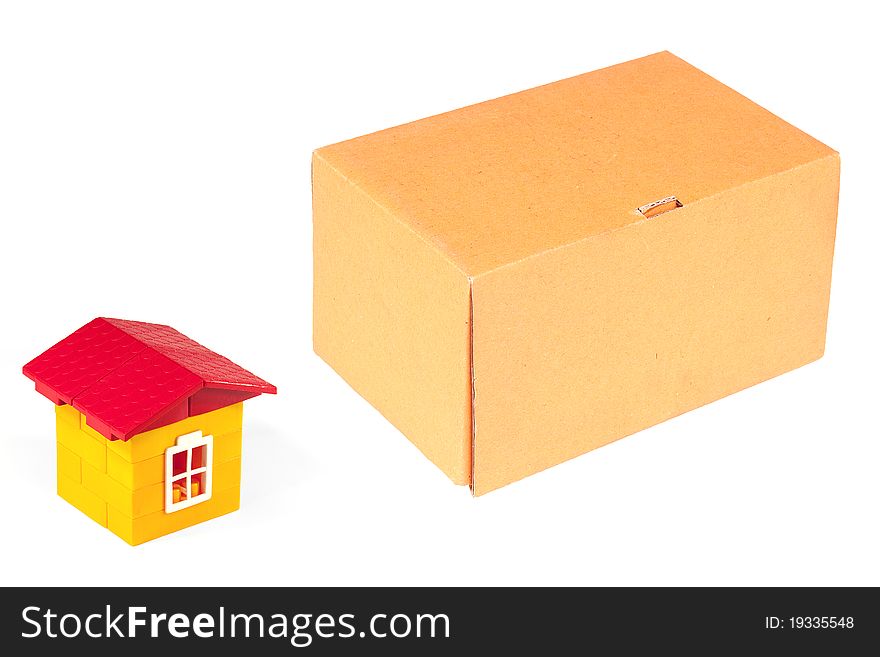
[659,207]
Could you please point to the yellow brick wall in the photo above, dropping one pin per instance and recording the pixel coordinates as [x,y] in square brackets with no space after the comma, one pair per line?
[120,485]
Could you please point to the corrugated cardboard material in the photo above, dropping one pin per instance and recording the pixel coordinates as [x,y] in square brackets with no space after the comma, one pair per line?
[512,284]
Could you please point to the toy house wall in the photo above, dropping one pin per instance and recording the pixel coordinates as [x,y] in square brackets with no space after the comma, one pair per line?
[120,485]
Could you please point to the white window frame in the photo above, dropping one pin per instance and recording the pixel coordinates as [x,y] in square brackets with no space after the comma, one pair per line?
[187,443]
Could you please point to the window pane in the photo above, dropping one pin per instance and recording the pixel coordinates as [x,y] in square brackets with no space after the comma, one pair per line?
[178,463]
[200,455]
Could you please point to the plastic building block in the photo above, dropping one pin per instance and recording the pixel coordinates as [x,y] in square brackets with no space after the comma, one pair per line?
[84,500]
[148,426]
[68,414]
[82,359]
[90,449]
[69,464]
[227,446]
[135,475]
[134,503]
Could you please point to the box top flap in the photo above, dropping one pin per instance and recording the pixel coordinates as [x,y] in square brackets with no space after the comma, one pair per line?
[505,179]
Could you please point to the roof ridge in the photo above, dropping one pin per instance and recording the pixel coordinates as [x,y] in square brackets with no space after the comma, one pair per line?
[112,321]
[188,343]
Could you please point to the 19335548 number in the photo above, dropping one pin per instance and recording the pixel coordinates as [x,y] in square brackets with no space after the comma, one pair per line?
[821,622]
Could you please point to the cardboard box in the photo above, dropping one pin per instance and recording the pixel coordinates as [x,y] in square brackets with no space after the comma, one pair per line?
[512,284]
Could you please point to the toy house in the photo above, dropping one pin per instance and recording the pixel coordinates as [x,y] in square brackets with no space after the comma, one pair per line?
[148,426]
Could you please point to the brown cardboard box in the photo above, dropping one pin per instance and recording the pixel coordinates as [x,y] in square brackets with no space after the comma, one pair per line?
[511,285]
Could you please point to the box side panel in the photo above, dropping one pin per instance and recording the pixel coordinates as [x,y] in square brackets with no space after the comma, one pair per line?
[391,316]
[583,345]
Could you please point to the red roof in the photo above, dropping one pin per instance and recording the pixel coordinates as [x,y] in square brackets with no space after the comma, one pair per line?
[128,377]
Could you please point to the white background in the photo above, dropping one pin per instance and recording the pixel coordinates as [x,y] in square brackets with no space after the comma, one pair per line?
[154,165]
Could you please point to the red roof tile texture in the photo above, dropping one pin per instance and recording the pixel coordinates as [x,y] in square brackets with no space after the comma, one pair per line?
[124,376]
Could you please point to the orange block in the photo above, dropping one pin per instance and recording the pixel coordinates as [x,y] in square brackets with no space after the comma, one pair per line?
[517,282]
